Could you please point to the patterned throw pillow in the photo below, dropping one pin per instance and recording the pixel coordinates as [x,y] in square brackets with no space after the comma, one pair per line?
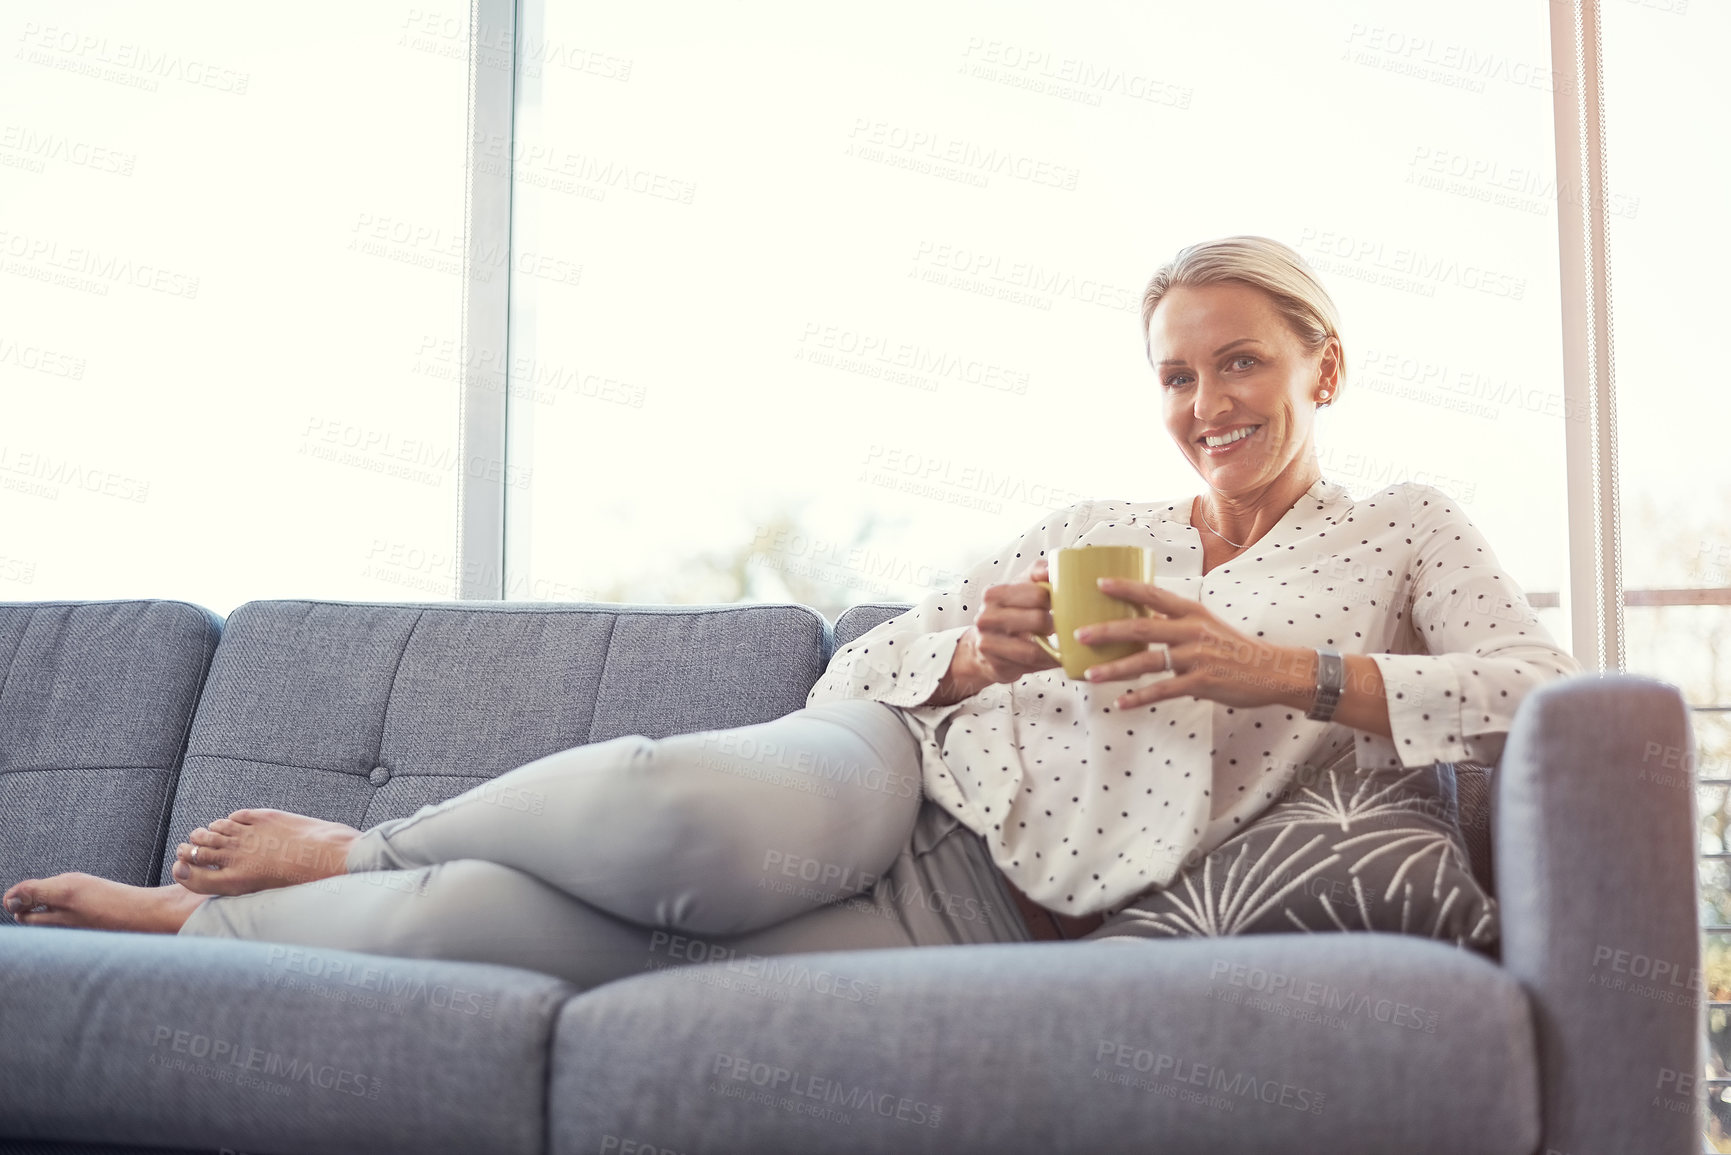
[1341,850]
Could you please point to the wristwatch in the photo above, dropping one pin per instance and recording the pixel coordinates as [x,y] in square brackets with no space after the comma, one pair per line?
[1330,681]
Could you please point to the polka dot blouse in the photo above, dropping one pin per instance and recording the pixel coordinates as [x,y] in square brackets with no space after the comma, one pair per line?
[1085,806]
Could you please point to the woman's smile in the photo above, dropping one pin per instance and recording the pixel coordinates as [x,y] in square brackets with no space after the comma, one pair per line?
[1230,441]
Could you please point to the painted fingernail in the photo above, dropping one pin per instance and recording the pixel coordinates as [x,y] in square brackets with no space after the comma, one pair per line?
[1092,673]
[1085,634]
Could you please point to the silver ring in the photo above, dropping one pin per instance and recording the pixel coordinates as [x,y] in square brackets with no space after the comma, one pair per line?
[1166,651]
[195,854]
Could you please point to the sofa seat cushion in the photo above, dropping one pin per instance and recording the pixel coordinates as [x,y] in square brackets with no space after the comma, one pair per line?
[95,702]
[363,712]
[158,1040]
[1354,1044]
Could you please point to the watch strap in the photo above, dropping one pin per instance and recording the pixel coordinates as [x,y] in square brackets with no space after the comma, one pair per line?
[1330,681]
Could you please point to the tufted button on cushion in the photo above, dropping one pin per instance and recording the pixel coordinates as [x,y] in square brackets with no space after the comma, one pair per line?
[379,776]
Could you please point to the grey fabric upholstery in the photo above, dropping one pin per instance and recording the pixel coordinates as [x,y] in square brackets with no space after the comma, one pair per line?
[857,619]
[261,1047]
[359,712]
[49,1147]
[1593,820]
[46,1147]
[95,701]
[1008,1049]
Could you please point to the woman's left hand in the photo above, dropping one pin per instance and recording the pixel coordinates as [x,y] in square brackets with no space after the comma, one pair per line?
[1209,658]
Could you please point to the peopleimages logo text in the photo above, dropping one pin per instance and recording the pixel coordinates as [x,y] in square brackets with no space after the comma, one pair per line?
[1421,266]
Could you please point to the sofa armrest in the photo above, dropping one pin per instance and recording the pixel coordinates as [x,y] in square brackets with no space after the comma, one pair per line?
[1593,826]
[205,1043]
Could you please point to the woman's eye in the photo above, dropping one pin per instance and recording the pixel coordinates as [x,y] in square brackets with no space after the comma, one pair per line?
[1244,357]
[1173,381]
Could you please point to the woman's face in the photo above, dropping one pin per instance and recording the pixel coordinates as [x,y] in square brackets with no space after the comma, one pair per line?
[1226,361]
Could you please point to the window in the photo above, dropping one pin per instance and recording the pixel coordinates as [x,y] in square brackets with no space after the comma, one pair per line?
[1668,256]
[228,303]
[857,304]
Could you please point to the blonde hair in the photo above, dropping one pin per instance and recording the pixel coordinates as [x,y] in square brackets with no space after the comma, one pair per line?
[1266,264]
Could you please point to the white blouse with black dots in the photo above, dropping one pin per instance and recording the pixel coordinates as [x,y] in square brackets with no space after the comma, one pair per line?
[1085,807]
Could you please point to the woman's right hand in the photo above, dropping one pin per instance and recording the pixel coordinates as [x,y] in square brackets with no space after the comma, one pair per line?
[998,645]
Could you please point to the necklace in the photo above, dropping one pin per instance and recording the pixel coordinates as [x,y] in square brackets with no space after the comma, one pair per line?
[1211,529]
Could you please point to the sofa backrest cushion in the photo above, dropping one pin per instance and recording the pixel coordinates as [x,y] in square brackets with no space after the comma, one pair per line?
[95,702]
[363,712]
[856,620]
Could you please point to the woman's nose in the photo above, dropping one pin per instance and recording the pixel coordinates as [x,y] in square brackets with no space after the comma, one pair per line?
[1212,398]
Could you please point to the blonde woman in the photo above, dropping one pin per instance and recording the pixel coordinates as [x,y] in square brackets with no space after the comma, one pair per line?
[971,792]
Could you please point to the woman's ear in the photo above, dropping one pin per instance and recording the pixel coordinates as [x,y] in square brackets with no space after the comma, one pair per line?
[1329,373]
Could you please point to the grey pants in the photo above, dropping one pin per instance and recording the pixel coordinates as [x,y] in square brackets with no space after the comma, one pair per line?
[806,833]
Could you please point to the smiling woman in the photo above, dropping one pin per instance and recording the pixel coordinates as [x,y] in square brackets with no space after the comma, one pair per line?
[1292,625]
[1248,349]
[1326,632]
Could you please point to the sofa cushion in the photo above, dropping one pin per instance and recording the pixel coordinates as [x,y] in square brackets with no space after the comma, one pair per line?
[1473,811]
[166,1041]
[856,620]
[1351,1044]
[1342,849]
[95,701]
[362,712]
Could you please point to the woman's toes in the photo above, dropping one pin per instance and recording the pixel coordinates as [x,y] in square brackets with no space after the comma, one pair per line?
[28,898]
[208,858]
[215,872]
[206,837]
[228,826]
[19,897]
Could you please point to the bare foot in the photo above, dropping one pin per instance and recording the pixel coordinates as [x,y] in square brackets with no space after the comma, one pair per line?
[254,850]
[260,849]
[101,904]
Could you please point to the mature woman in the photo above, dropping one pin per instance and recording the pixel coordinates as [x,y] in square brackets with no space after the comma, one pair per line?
[945,783]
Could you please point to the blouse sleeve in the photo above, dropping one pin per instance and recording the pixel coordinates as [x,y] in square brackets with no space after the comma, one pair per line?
[901,661]
[1486,649]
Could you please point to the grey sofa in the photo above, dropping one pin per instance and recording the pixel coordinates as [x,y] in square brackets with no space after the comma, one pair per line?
[124,724]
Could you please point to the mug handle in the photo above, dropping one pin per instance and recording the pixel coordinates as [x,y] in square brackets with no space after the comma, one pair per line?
[1137,610]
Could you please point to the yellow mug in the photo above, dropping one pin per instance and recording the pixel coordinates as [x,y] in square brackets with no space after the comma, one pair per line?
[1077,601]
